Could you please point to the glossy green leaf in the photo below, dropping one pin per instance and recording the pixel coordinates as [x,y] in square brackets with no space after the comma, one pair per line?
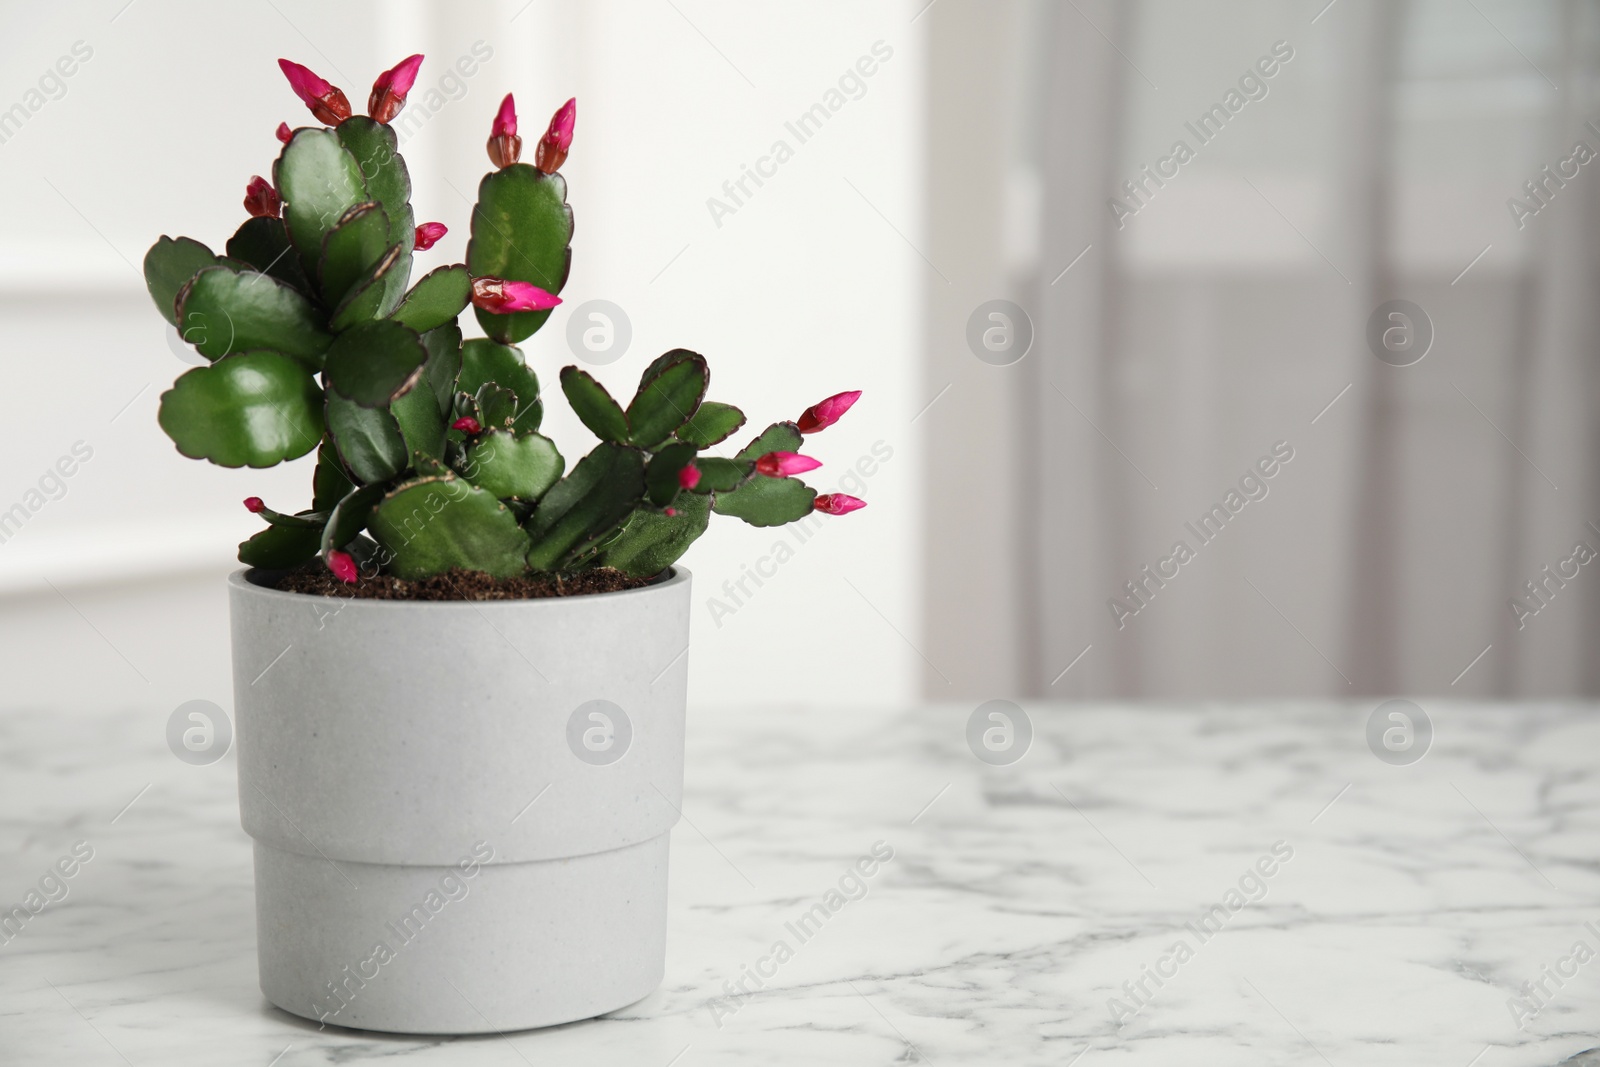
[779,437]
[351,249]
[721,475]
[521,230]
[497,407]
[263,243]
[764,501]
[319,181]
[375,363]
[483,361]
[652,541]
[508,466]
[375,147]
[594,406]
[169,265]
[365,300]
[598,494]
[368,440]
[252,409]
[330,481]
[433,524]
[349,517]
[223,312]
[280,548]
[437,298]
[421,422]
[667,400]
[661,477]
[444,362]
[712,423]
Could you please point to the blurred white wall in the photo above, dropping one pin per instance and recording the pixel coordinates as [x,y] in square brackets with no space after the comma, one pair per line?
[111,590]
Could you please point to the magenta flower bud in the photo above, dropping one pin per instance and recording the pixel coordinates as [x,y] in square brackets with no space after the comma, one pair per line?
[837,504]
[502,296]
[689,476]
[553,146]
[254,505]
[261,199]
[389,91]
[284,132]
[327,102]
[467,425]
[343,566]
[428,235]
[505,147]
[783,464]
[825,413]
[671,512]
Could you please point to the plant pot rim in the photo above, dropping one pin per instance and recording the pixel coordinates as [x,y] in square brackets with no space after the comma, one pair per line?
[245,579]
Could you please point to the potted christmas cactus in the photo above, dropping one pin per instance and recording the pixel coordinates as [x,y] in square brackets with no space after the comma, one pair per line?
[460,672]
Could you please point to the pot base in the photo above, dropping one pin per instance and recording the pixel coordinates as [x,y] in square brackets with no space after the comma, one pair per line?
[434,950]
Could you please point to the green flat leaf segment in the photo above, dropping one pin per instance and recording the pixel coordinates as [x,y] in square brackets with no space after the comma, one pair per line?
[253,409]
[430,525]
[222,312]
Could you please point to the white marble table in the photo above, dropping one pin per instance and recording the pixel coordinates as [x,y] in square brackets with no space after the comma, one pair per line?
[1415,904]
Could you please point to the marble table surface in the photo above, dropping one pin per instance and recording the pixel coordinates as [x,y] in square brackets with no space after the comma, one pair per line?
[1054,911]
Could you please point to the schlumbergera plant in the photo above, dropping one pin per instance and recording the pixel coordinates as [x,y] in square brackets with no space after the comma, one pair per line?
[429,455]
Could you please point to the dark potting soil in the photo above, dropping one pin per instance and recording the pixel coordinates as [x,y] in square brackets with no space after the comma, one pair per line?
[456,584]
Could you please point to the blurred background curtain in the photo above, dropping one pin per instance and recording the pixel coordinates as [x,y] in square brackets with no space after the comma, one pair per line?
[1223,312]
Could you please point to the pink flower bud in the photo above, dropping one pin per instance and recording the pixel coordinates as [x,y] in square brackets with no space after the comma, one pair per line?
[467,425]
[389,91]
[502,296]
[783,464]
[837,504]
[254,505]
[342,566]
[689,476]
[326,101]
[825,413]
[505,147]
[428,235]
[553,146]
[261,199]
[284,132]
[671,512]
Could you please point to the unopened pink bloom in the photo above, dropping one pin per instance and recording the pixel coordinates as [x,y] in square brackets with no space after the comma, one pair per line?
[342,566]
[553,146]
[825,413]
[254,505]
[284,132]
[502,296]
[783,464]
[327,102]
[837,504]
[671,512]
[428,235]
[389,91]
[505,147]
[260,198]
[467,425]
[689,476]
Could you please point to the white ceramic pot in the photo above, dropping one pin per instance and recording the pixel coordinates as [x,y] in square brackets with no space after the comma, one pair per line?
[460,809]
